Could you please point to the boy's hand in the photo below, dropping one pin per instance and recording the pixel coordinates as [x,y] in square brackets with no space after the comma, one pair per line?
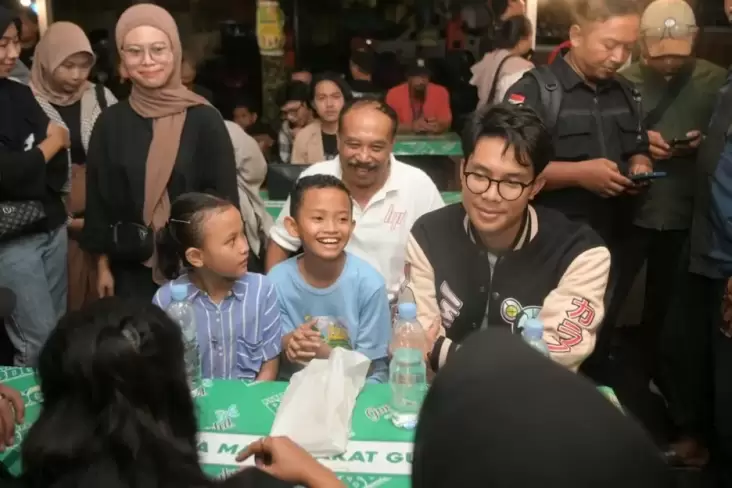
[302,345]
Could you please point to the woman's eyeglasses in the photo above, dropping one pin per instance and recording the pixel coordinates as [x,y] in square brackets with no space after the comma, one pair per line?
[134,54]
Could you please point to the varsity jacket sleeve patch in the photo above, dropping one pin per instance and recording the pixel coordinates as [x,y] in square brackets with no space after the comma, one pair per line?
[573,312]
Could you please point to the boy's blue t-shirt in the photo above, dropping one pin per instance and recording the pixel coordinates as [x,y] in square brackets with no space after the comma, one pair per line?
[237,336]
[357,300]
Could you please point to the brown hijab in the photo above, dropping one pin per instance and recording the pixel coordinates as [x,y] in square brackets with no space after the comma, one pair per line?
[61,40]
[167,106]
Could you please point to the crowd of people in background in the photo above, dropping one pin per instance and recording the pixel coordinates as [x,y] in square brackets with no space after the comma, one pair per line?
[573,175]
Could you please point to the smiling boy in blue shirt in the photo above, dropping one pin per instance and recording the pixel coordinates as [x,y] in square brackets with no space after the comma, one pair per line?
[325,281]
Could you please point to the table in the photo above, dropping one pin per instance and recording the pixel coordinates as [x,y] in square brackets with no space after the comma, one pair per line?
[233,414]
[275,206]
[447,144]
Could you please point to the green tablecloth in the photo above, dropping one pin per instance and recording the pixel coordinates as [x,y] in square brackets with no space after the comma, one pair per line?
[274,206]
[428,145]
[232,414]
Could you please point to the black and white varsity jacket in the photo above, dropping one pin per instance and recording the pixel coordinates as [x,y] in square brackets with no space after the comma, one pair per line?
[557,272]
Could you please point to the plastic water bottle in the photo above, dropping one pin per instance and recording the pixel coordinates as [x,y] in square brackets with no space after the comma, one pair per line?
[407,370]
[181,311]
[533,334]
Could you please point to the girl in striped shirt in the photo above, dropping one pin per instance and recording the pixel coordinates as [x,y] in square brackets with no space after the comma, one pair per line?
[204,246]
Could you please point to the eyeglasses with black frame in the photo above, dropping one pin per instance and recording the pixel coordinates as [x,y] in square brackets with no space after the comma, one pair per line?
[509,190]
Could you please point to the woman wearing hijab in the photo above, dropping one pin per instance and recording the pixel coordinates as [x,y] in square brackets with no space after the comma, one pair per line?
[145,151]
[33,173]
[501,415]
[59,80]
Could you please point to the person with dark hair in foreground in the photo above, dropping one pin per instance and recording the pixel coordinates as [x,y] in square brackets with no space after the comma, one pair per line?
[496,261]
[500,415]
[117,410]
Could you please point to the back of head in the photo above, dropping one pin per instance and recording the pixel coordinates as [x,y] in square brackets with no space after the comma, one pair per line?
[501,415]
[185,229]
[117,410]
[584,11]
[511,31]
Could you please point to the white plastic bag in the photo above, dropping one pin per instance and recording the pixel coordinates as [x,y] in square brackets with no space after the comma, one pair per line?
[317,407]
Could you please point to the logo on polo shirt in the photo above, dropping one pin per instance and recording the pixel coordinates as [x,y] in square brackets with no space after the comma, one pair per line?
[395,218]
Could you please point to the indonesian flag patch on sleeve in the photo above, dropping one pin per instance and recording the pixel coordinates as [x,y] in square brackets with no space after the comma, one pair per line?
[516,99]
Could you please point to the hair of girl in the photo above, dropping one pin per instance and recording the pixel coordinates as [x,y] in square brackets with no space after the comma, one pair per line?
[184,230]
[117,410]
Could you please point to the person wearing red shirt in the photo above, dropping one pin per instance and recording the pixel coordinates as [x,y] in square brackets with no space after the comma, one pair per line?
[421,106]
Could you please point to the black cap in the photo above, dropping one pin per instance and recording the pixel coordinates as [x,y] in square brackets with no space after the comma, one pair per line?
[418,67]
[363,59]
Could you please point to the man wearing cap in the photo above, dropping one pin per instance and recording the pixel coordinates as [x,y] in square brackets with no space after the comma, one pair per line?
[361,67]
[421,106]
[678,93]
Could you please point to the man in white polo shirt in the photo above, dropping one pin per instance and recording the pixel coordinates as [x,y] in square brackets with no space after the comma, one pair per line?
[388,195]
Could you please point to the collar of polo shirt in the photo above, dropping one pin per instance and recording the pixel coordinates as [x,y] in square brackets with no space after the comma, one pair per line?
[239,289]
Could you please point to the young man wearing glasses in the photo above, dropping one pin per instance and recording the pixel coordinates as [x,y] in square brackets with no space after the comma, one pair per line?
[496,261]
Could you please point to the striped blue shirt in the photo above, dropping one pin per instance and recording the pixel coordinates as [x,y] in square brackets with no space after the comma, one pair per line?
[237,336]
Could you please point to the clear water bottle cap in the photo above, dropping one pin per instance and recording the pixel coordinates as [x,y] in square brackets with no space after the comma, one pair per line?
[534,328]
[179,293]
[407,311]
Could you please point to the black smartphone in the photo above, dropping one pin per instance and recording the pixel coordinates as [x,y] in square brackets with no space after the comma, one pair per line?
[682,141]
[641,177]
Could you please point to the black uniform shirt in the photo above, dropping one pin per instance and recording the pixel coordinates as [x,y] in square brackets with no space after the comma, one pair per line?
[601,122]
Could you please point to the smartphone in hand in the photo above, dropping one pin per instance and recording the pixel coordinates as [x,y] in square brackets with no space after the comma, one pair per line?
[641,177]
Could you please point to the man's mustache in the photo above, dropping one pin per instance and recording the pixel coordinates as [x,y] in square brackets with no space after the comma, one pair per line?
[363,165]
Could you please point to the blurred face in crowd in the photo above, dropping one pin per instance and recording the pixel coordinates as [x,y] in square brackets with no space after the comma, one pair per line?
[674,39]
[328,101]
[728,9]
[73,72]
[187,74]
[148,57]
[29,28]
[496,187]
[244,117]
[296,113]
[599,49]
[366,138]
[9,50]
[418,85]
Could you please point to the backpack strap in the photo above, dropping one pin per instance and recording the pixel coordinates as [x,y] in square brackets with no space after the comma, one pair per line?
[101,96]
[496,77]
[635,101]
[550,92]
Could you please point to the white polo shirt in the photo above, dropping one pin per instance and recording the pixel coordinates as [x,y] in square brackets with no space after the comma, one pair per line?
[382,228]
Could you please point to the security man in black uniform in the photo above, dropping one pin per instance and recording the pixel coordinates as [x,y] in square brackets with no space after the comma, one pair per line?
[599,140]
